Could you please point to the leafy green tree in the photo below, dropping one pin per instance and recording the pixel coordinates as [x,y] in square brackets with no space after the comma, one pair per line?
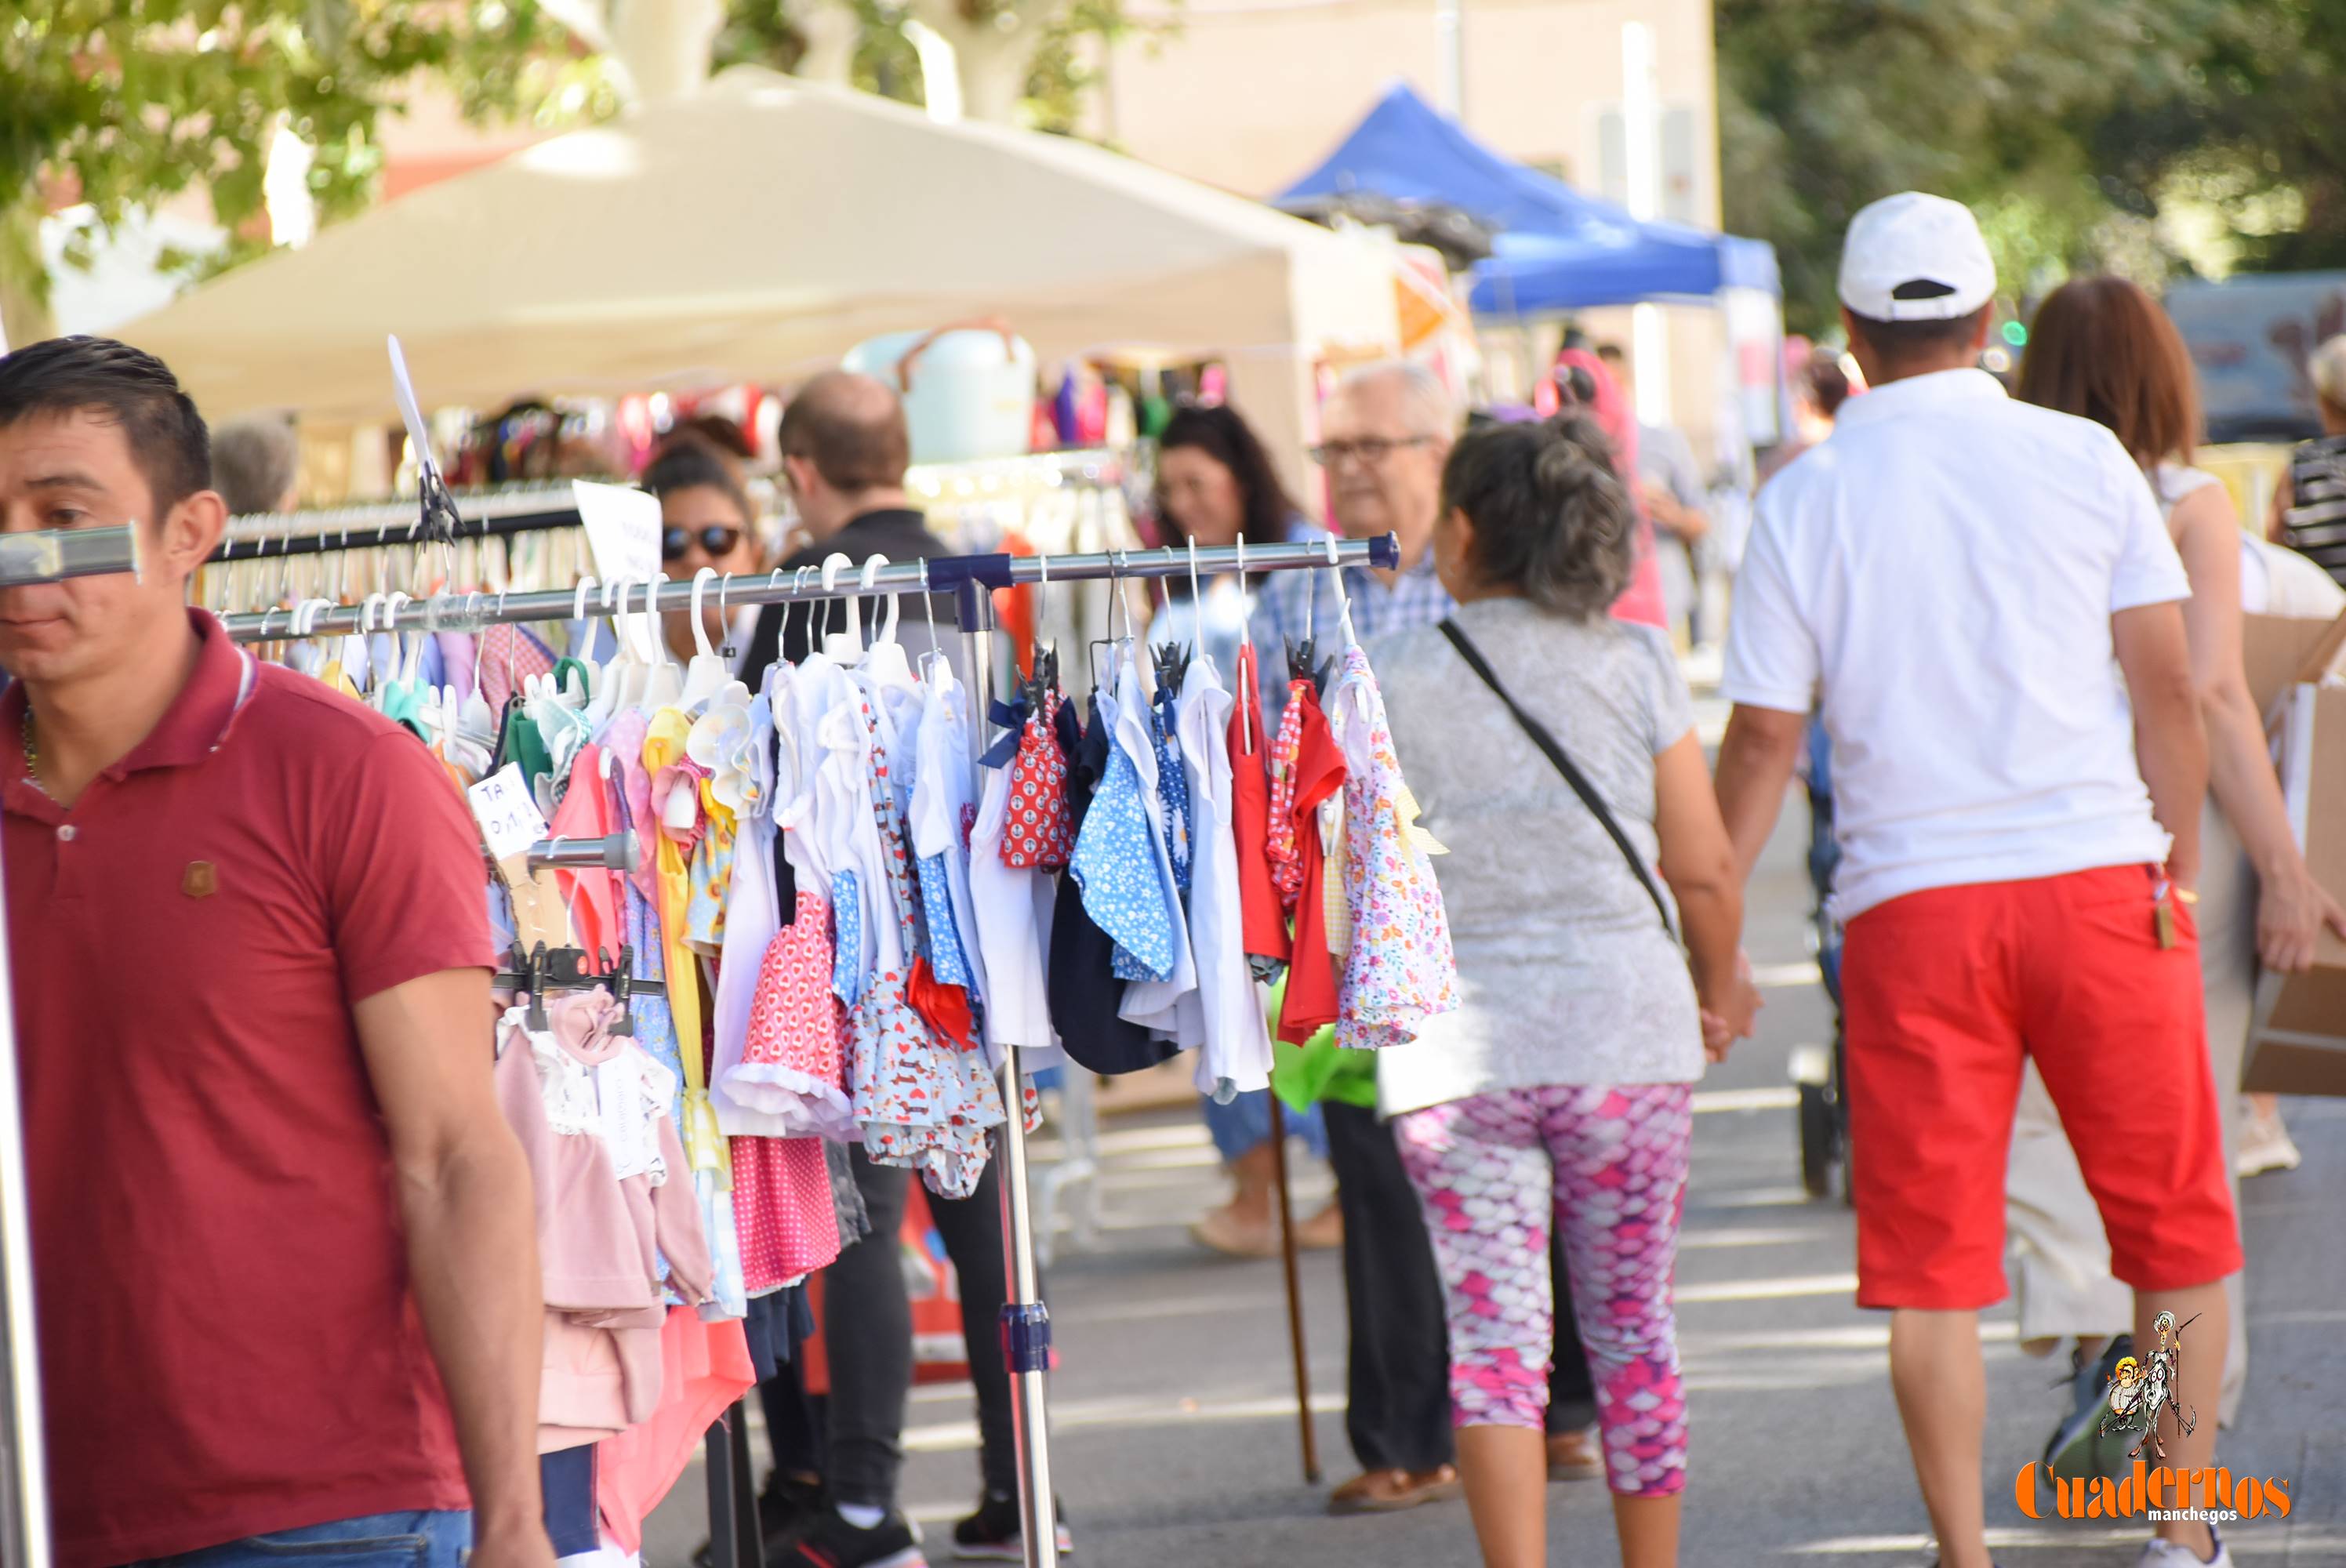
[1060,43]
[124,104]
[1826,104]
[2257,131]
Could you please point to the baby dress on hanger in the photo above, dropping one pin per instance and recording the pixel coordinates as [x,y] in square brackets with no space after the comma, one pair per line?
[1172,786]
[794,1067]
[1039,835]
[1080,979]
[1249,746]
[1399,972]
[1315,773]
[923,1103]
[1118,851]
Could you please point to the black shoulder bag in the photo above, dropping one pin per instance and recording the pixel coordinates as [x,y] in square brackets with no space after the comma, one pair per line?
[1563,765]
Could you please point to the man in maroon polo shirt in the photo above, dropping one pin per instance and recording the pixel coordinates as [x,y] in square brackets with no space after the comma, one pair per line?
[282,1239]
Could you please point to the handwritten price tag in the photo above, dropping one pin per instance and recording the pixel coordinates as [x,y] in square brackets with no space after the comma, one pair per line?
[509,819]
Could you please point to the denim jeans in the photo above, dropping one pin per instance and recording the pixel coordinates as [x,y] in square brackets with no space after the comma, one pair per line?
[1244,1125]
[428,1540]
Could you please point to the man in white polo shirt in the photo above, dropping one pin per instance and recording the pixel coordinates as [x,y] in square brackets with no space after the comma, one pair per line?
[1958,582]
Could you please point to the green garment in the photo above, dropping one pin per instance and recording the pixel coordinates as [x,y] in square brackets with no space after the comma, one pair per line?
[1303,1075]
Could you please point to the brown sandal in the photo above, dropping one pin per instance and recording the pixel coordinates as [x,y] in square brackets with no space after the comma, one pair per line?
[1574,1456]
[1392,1491]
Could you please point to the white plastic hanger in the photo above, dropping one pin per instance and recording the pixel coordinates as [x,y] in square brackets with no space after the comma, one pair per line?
[582,641]
[1043,645]
[884,661]
[936,654]
[665,682]
[411,664]
[473,717]
[1344,599]
[1246,641]
[1196,605]
[628,674]
[847,647]
[798,586]
[708,673]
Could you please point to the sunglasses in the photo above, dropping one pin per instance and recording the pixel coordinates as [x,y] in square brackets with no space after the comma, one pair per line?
[717,539]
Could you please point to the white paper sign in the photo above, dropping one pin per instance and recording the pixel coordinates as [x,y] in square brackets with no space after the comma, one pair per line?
[509,819]
[623,530]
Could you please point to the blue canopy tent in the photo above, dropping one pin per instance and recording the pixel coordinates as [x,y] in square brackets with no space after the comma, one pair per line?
[1555,249]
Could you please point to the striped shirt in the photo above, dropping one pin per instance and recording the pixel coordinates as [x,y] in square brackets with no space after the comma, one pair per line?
[1289,600]
[2315,523]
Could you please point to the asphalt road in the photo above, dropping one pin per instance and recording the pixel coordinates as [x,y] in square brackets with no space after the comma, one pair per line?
[1173,1417]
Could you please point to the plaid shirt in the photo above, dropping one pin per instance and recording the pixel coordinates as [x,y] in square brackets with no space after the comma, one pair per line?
[1415,599]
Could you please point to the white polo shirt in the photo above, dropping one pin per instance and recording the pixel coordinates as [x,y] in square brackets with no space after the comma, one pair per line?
[1938,580]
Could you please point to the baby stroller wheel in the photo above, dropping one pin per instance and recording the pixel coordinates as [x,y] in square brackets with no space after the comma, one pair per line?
[1820,1122]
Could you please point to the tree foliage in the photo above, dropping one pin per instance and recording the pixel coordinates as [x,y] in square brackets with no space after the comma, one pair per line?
[2070,125]
[125,103]
[1058,57]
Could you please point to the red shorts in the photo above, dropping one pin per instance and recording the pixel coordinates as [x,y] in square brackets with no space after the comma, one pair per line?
[1944,991]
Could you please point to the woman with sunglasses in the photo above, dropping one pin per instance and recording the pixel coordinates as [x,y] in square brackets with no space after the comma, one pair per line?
[706,521]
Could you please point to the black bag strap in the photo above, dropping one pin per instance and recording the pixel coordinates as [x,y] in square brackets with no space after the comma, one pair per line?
[1563,765]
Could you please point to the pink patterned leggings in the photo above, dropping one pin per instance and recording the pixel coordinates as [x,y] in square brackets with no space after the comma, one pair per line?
[1610,1162]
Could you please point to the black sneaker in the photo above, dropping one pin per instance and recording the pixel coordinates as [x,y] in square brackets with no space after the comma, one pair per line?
[832,1543]
[995,1535]
[786,1506]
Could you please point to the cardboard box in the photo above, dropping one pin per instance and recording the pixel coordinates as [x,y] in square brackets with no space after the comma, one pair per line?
[2279,652]
[2297,1040]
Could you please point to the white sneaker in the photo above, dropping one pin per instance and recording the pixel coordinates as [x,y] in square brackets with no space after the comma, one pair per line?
[2174,1554]
[2266,1145]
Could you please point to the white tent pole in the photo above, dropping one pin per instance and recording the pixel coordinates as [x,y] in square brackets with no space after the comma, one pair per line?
[1641,135]
[1450,57]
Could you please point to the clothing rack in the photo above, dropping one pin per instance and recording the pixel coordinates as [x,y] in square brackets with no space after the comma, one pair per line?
[471,612]
[1026,1322]
[522,510]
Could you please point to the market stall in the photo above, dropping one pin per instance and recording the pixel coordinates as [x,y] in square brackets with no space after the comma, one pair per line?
[758,230]
[1553,247]
[1555,250]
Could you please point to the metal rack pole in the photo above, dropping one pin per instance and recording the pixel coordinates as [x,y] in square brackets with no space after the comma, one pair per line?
[262,536]
[470,612]
[23,1491]
[26,559]
[1025,1321]
[54,555]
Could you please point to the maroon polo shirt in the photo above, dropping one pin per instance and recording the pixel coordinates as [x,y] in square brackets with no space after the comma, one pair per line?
[229,1342]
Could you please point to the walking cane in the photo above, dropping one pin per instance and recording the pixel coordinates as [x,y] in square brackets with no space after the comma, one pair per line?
[1294,1293]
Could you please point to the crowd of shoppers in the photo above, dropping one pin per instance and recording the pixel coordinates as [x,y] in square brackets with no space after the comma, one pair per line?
[1217,485]
[2020,829]
[2065,858]
[2103,350]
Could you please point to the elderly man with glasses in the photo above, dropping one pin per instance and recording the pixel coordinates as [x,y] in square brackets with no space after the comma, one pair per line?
[1388,429]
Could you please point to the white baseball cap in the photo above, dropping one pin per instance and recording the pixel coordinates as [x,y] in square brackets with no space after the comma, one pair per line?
[1916,258]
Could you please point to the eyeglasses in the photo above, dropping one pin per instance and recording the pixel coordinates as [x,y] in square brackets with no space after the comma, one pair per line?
[1369,450]
[716,539]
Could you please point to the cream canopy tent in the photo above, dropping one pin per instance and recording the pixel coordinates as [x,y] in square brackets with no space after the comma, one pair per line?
[758,230]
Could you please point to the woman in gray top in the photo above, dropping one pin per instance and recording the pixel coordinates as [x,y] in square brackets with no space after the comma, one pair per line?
[1562,1087]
